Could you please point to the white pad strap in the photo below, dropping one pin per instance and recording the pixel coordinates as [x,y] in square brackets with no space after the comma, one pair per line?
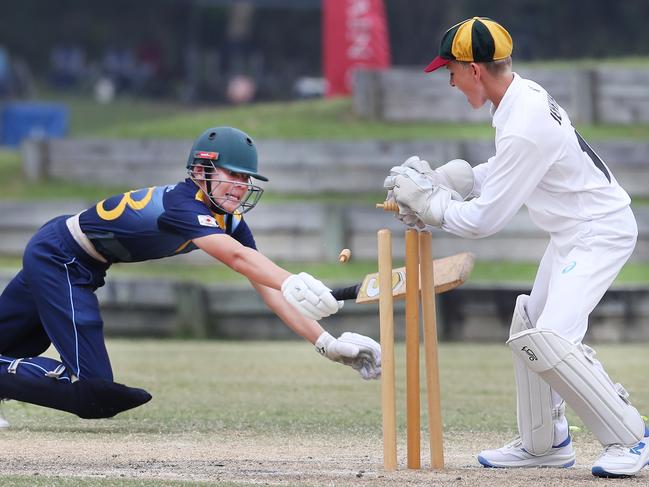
[534,404]
[56,373]
[13,366]
[574,373]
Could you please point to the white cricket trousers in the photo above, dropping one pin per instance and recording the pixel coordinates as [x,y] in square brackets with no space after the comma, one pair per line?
[578,266]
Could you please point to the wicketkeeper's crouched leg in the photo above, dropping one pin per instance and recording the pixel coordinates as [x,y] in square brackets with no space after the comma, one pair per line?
[573,371]
[544,440]
[540,412]
[45,382]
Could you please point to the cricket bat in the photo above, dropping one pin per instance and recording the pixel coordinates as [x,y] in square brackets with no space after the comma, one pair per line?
[449,273]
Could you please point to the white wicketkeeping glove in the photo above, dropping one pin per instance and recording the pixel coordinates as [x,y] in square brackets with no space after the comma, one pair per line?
[406,215]
[428,203]
[456,175]
[423,180]
[312,298]
[420,166]
[358,351]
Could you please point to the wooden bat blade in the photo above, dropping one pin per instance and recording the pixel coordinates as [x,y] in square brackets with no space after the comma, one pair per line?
[449,273]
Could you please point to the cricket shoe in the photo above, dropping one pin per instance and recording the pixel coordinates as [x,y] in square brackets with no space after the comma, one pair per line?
[623,461]
[513,455]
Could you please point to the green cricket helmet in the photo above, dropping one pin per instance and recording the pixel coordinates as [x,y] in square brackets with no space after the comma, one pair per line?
[231,149]
[228,148]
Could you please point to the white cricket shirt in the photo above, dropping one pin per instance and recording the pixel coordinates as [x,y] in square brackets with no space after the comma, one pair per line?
[539,162]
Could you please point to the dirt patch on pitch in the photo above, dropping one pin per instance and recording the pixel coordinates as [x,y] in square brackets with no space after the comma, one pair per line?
[272,460]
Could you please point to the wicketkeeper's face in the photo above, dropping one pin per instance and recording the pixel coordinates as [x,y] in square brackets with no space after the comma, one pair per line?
[466,78]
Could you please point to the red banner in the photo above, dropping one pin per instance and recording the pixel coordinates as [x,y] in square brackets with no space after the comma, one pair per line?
[355,35]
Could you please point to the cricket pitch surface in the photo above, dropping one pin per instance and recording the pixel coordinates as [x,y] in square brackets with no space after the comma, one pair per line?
[242,459]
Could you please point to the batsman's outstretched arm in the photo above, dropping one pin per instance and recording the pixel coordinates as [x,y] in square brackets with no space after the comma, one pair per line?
[307,328]
[359,352]
[246,261]
[312,298]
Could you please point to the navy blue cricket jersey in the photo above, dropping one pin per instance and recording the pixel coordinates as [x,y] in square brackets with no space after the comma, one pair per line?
[157,222]
[52,299]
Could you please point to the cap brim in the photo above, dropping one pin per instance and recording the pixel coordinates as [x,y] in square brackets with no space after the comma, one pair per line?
[437,63]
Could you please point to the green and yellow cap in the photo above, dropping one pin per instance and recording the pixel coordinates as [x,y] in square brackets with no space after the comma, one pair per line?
[476,40]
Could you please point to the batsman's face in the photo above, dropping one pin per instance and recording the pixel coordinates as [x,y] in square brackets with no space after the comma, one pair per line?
[466,77]
[229,188]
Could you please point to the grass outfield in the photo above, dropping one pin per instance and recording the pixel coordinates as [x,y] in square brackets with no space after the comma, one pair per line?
[483,272]
[227,413]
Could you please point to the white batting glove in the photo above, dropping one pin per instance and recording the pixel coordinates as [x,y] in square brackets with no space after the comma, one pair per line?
[428,204]
[369,356]
[312,298]
[358,351]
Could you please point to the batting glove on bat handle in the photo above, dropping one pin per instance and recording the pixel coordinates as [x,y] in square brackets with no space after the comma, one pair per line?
[311,297]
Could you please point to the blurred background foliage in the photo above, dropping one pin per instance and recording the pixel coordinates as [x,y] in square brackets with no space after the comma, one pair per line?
[187,49]
[170,62]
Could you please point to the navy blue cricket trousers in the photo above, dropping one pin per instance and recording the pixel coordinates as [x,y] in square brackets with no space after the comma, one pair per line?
[52,300]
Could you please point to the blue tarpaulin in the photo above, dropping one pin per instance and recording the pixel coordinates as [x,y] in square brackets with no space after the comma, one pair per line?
[21,120]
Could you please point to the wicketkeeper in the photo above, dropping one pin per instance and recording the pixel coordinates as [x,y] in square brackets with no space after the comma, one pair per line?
[541,162]
[52,299]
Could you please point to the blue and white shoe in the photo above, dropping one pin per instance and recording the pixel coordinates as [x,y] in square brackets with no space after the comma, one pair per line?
[623,461]
[513,455]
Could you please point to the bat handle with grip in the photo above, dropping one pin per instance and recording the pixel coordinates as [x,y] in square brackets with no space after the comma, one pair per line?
[346,293]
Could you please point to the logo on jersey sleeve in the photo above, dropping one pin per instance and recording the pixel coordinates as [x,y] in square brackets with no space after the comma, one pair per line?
[207,221]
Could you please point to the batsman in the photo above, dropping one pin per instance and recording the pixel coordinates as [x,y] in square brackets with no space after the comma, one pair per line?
[541,162]
[52,299]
